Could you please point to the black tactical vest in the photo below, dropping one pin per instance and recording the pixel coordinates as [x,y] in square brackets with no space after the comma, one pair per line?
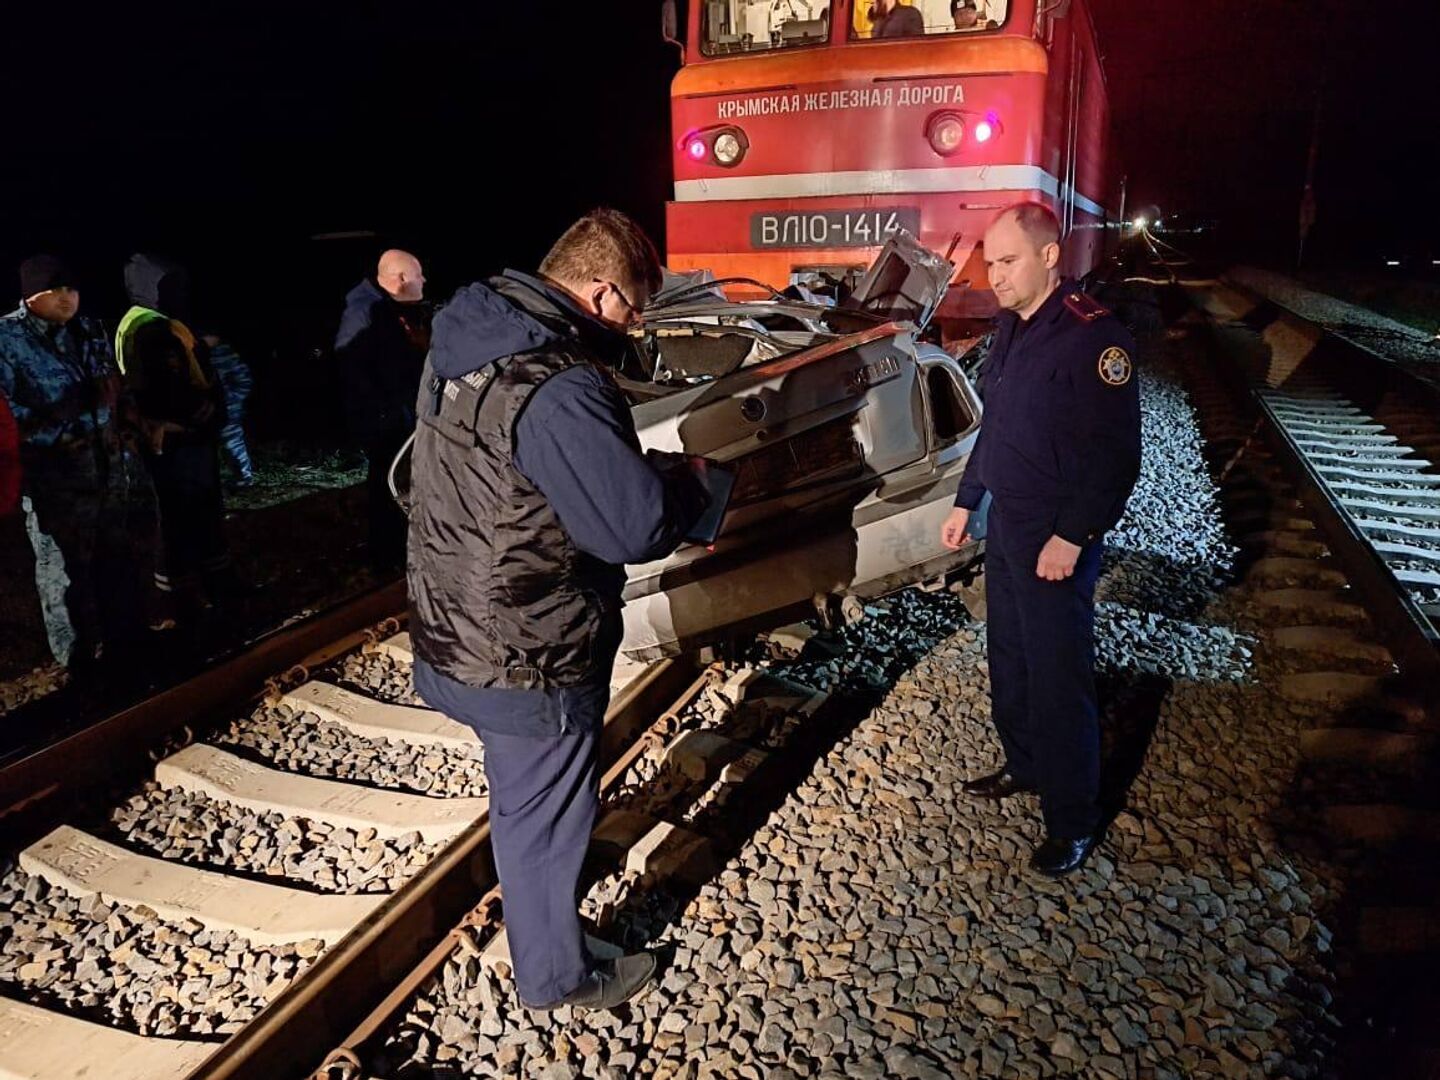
[498,596]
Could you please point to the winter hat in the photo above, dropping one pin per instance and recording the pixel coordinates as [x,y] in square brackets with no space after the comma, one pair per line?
[41,273]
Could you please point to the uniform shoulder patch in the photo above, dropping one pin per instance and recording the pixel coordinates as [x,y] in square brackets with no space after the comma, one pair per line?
[1085,308]
[1115,366]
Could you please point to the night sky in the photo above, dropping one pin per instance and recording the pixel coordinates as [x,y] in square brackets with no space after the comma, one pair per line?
[1215,102]
[231,133]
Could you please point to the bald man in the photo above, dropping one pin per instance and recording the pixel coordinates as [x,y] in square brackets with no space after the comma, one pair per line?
[381,345]
[1058,453]
[400,275]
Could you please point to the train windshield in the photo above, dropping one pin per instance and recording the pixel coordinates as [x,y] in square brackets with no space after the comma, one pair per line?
[914,18]
[742,26]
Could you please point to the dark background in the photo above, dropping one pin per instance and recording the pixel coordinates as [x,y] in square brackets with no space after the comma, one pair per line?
[230,134]
[1215,102]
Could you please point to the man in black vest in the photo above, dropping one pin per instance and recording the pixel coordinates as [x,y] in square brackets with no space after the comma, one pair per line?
[529,494]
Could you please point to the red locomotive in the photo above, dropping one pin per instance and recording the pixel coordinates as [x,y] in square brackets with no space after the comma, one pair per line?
[806,130]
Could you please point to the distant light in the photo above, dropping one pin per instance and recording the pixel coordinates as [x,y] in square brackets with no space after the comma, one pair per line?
[1435,262]
[1392,262]
[1140,223]
[983,131]
[696,149]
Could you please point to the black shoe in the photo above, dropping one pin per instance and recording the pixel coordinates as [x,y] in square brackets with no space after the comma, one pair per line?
[1055,857]
[610,985]
[1000,785]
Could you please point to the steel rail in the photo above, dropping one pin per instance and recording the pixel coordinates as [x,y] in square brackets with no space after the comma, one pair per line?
[359,982]
[37,785]
[1376,385]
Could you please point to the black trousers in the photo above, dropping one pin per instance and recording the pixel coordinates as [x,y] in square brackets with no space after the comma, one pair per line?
[1041,647]
[192,510]
[387,524]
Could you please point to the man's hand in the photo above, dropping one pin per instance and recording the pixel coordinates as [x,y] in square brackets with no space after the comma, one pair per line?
[954,532]
[1057,559]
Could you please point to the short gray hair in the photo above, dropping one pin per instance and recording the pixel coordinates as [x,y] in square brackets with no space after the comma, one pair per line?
[1036,220]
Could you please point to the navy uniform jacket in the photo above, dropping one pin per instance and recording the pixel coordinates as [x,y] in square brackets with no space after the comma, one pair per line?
[1061,431]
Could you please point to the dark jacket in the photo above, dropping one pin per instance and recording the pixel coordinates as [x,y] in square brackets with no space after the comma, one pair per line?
[1061,432]
[380,347]
[529,492]
[166,366]
[65,393]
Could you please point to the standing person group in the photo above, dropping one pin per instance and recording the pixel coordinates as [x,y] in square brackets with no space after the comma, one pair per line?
[111,439]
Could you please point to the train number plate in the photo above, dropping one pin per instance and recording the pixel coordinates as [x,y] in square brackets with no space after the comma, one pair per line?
[831,228]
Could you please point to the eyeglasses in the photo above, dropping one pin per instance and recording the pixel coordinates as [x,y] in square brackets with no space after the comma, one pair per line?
[634,309]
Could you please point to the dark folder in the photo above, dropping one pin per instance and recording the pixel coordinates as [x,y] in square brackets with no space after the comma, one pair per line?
[719,481]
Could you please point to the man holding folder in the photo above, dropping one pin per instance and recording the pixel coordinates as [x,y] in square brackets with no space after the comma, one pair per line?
[529,494]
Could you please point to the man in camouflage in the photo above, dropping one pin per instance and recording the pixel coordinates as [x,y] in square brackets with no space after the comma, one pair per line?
[88,504]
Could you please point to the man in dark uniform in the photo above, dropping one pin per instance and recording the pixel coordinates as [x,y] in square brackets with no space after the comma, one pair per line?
[529,493]
[1059,452]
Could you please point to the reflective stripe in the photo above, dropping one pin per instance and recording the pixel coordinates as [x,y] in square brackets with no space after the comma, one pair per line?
[878,182]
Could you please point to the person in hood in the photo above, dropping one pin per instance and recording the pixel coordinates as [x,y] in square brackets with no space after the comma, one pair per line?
[182,404]
[88,505]
[529,493]
[384,333]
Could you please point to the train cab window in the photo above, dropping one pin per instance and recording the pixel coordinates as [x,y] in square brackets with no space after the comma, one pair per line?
[882,18]
[742,26]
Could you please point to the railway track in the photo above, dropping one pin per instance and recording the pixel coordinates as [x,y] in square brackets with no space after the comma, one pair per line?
[236,911]
[269,898]
[1327,455]
[673,807]
[1360,438]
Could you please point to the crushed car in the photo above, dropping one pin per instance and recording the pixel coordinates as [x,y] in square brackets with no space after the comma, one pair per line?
[847,434]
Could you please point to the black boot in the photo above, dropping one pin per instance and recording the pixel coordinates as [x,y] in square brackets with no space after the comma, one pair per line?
[610,985]
[1000,785]
[1056,857]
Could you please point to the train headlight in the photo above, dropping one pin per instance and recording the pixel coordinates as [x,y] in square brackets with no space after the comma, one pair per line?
[983,130]
[729,148]
[946,131]
[695,148]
